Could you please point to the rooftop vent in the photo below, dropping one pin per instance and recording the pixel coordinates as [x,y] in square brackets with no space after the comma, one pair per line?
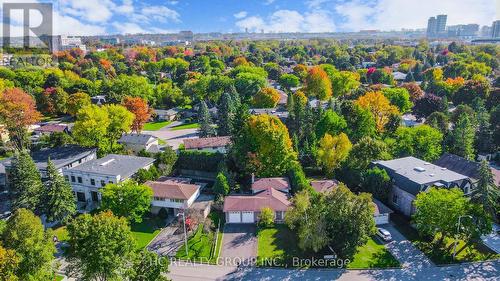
[431,175]
[427,163]
[419,169]
[443,169]
[107,162]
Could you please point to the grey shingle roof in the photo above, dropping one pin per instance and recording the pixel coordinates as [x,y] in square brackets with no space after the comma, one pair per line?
[142,139]
[115,164]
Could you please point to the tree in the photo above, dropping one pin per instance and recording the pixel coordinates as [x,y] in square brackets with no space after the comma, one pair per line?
[221,186]
[129,85]
[470,90]
[377,182]
[26,236]
[149,266]
[17,112]
[127,199]
[332,151]
[57,200]
[361,122]
[273,70]
[484,136]
[288,81]
[379,106]
[266,98]
[264,147]
[139,107]
[91,127]
[266,217]
[330,123]
[76,102]
[53,101]
[438,120]
[344,82]
[429,104]
[100,246]
[367,150]
[248,84]
[120,121]
[25,182]
[206,130]
[486,192]
[165,161]
[462,138]
[422,142]
[340,219]
[9,264]
[400,97]
[226,113]
[318,84]
[414,89]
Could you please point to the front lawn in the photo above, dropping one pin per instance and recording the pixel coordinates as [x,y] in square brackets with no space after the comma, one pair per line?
[145,231]
[186,126]
[280,244]
[155,126]
[59,277]
[442,254]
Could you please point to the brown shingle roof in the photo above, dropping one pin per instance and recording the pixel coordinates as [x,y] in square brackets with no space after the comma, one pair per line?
[51,128]
[276,200]
[276,183]
[172,190]
[206,142]
[324,185]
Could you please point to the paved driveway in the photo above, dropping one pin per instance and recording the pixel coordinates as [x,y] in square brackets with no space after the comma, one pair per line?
[174,137]
[238,243]
[405,252]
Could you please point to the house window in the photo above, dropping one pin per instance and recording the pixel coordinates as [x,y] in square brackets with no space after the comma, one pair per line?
[395,199]
[72,178]
[279,215]
[92,181]
[66,177]
[177,200]
[79,179]
[110,182]
[103,183]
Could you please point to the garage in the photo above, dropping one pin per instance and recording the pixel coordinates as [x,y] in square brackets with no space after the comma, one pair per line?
[234,217]
[247,217]
[381,219]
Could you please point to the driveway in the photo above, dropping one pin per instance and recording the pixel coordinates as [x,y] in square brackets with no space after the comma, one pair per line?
[238,243]
[173,137]
[404,251]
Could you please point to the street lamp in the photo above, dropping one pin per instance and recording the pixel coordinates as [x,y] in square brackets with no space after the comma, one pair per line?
[185,232]
[456,235]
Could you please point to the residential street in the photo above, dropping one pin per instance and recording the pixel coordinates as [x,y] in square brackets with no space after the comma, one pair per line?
[473,271]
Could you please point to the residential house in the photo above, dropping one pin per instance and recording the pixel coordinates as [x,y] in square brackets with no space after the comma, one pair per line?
[86,179]
[98,100]
[281,184]
[399,76]
[324,185]
[138,142]
[166,114]
[63,157]
[381,213]
[465,167]
[48,129]
[411,175]
[173,196]
[247,208]
[213,144]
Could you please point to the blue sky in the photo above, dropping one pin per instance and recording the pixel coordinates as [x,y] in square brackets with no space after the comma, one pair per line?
[92,17]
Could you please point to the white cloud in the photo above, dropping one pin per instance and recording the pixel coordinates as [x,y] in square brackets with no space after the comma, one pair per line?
[89,10]
[128,27]
[397,14]
[66,25]
[127,7]
[269,2]
[159,13]
[240,15]
[289,21]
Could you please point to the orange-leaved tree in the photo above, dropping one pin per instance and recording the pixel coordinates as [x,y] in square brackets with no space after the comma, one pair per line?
[139,107]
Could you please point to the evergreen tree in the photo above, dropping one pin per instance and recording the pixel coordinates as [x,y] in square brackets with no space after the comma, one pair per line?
[57,201]
[225,111]
[221,186]
[25,182]
[206,130]
[484,135]
[462,138]
[487,193]
[240,119]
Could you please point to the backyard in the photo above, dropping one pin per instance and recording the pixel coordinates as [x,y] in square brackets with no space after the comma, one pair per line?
[155,126]
[280,243]
[442,254]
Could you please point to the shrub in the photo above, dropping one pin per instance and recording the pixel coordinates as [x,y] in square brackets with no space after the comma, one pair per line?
[266,217]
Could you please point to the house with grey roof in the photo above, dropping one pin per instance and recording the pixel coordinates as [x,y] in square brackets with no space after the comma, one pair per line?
[138,142]
[411,175]
[88,178]
[465,167]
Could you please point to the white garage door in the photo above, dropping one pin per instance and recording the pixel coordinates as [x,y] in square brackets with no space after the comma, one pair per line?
[234,217]
[381,219]
[247,217]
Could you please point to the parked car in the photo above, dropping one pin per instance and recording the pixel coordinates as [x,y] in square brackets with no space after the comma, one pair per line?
[384,234]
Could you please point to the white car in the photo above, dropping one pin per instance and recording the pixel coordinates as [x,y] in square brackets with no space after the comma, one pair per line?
[384,234]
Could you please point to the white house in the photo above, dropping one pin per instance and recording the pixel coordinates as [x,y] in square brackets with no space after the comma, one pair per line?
[138,142]
[214,144]
[172,195]
[86,179]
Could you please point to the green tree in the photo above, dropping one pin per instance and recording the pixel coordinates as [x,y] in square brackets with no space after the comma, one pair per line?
[266,217]
[330,123]
[400,97]
[288,81]
[127,199]
[9,264]
[486,191]
[101,247]
[165,161]
[221,186]
[91,127]
[318,84]
[129,85]
[377,182]
[266,97]
[225,111]
[205,120]
[422,142]
[120,122]
[361,122]
[26,236]
[344,82]
[332,151]
[149,266]
[248,84]
[438,120]
[25,182]
[57,200]
[462,138]
[264,147]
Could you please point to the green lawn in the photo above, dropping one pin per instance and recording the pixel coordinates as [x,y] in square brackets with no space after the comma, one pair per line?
[155,126]
[186,126]
[145,231]
[373,255]
[281,244]
[59,277]
[61,233]
[162,142]
[442,254]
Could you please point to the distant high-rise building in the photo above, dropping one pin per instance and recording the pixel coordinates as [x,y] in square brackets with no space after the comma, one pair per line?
[495,29]
[441,24]
[431,27]
[486,31]
[436,26]
[463,30]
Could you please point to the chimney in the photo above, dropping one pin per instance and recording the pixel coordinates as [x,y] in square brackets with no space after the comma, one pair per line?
[253,178]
